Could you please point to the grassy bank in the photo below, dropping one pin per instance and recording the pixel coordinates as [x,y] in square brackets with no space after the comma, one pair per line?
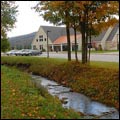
[95,51]
[99,81]
[20,99]
[101,64]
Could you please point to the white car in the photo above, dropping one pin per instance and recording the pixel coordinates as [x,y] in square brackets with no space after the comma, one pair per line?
[28,52]
[11,52]
[19,52]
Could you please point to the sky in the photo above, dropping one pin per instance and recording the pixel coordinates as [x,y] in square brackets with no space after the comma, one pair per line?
[28,20]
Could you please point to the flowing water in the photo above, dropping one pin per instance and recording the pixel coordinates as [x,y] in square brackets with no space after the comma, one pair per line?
[77,101]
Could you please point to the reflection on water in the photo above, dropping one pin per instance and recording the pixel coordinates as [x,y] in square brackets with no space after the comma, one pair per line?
[77,101]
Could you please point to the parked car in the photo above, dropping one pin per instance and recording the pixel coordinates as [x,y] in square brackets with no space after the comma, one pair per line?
[28,52]
[36,52]
[11,52]
[19,52]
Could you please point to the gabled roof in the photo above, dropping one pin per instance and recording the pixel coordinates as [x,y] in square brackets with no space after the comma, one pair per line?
[99,37]
[111,35]
[56,32]
[113,32]
[63,39]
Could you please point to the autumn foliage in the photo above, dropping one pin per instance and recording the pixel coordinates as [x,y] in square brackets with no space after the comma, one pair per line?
[83,15]
[100,84]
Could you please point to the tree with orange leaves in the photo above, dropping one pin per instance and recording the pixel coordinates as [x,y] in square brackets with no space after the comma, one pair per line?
[96,15]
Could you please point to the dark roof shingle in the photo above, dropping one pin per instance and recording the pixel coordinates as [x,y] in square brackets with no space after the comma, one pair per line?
[56,32]
[113,32]
[99,37]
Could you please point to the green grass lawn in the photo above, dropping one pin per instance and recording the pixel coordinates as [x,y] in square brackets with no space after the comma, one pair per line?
[103,51]
[94,51]
[34,60]
[111,65]
[20,99]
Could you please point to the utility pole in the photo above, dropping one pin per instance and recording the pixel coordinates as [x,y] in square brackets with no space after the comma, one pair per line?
[47,44]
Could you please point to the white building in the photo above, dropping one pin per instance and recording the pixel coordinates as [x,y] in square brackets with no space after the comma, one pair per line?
[57,39]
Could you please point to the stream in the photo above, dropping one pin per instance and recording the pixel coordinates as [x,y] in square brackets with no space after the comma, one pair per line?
[76,101]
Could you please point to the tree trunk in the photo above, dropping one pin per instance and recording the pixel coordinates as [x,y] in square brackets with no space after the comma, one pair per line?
[86,31]
[75,45]
[86,49]
[86,44]
[68,35]
[68,42]
[90,39]
[83,42]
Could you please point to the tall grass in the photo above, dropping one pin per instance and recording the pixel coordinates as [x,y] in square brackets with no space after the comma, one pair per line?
[21,100]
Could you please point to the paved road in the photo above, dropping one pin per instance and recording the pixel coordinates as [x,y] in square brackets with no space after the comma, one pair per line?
[110,57]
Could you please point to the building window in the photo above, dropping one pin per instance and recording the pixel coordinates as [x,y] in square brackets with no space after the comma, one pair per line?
[45,39]
[34,47]
[41,38]
[41,47]
[36,40]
